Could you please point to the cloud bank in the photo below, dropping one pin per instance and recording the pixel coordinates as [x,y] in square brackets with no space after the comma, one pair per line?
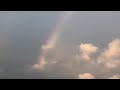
[106,59]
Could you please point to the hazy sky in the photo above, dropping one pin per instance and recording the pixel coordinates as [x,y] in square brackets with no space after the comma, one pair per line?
[88,47]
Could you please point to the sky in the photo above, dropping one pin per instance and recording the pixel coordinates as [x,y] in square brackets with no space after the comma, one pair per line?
[59,45]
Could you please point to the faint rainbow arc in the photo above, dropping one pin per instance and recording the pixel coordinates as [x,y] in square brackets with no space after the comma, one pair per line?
[51,42]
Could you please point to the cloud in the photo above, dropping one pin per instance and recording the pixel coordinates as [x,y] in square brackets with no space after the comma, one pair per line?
[87,50]
[113,50]
[112,64]
[117,76]
[86,76]
[107,59]
[40,66]
[110,56]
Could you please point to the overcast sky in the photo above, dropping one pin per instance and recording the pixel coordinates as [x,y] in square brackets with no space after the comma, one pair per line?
[87,48]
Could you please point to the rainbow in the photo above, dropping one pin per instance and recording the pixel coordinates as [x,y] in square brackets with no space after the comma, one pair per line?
[52,40]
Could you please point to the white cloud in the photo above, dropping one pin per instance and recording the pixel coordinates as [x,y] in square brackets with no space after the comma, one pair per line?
[110,57]
[86,76]
[117,76]
[87,50]
[113,50]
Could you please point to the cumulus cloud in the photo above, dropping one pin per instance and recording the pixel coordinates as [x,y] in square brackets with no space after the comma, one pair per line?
[110,56]
[117,76]
[87,50]
[113,50]
[86,76]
